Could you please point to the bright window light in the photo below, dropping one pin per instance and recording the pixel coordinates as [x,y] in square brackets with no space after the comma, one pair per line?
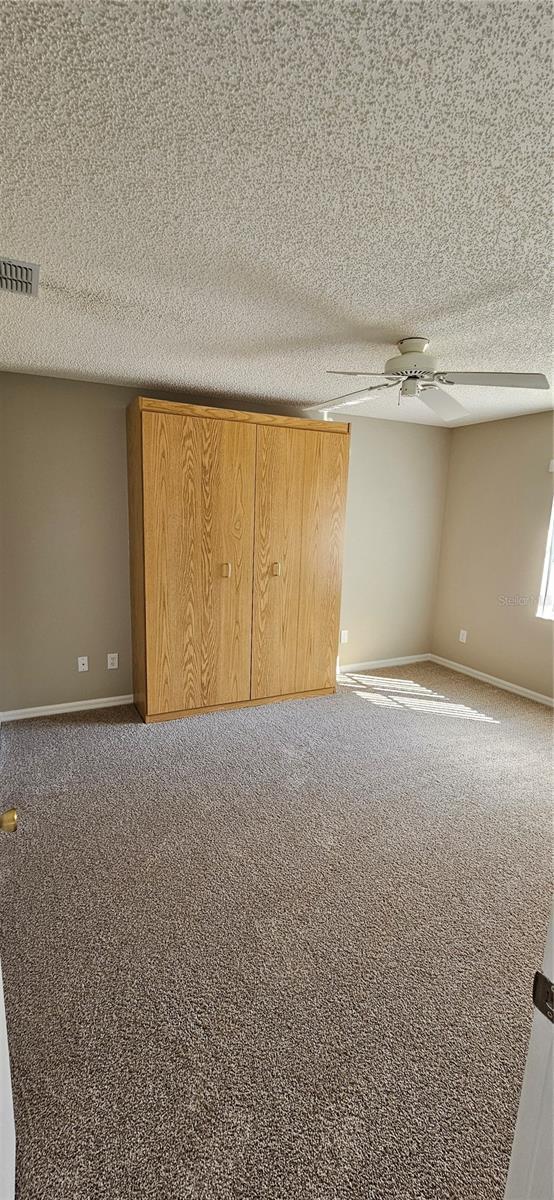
[546,598]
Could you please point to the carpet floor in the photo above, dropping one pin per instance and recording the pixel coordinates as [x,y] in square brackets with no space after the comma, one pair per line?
[279,953]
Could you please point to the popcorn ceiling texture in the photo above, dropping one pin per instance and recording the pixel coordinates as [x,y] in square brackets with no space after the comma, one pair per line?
[228,198]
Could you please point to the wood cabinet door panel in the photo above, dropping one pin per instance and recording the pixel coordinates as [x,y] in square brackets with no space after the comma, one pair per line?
[300,496]
[323,510]
[228,480]
[198,517]
[279,485]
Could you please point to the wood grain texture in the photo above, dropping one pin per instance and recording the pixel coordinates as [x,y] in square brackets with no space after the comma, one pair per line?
[198,514]
[228,479]
[300,504]
[323,513]
[229,414]
[136,554]
[279,489]
[150,719]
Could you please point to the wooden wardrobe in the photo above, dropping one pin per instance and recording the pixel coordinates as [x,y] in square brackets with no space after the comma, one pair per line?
[236,527]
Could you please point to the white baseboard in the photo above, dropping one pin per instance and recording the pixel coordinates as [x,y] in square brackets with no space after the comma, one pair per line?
[492,679]
[452,666]
[381,662]
[47,710]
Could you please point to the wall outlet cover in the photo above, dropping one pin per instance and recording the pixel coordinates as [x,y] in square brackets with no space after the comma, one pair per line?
[82,662]
[343,637]
[463,635]
[113,662]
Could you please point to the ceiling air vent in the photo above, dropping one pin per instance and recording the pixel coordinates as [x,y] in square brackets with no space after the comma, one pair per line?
[20,277]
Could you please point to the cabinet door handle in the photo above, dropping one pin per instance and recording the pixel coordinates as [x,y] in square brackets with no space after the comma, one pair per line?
[226,570]
[276,568]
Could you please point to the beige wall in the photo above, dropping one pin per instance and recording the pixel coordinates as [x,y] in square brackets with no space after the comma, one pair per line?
[64,548]
[65,587]
[493,544]
[396,493]
[64,553]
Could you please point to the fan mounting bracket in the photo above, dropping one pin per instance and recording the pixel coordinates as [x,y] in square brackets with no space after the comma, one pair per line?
[413,362]
[413,345]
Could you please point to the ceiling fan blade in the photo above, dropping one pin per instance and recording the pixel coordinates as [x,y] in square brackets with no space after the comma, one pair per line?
[373,374]
[493,379]
[351,398]
[442,404]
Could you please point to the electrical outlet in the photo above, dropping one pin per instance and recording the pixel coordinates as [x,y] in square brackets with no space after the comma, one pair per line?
[343,637]
[113,662]
[82,663]
[463,635]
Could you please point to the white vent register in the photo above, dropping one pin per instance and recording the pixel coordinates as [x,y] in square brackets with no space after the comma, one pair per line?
[19,277]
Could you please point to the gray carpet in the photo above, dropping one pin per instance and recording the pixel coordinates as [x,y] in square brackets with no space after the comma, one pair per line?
[283,952]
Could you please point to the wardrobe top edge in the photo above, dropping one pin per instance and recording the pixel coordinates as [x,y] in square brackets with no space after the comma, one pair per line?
[147,404]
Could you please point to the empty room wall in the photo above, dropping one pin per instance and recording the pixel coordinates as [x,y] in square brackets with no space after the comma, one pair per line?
[64,551]
[64,540]
[396,493]
[493,545]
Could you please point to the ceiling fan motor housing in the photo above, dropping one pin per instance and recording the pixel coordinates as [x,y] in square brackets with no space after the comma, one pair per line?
[413,361]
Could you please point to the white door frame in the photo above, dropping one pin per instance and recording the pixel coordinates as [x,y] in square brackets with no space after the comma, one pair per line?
[7,1124]
[531,1173]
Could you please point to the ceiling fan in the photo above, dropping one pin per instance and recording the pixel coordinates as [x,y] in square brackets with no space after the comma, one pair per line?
[413,372]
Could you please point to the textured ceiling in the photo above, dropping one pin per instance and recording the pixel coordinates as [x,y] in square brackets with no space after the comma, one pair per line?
[231,197]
